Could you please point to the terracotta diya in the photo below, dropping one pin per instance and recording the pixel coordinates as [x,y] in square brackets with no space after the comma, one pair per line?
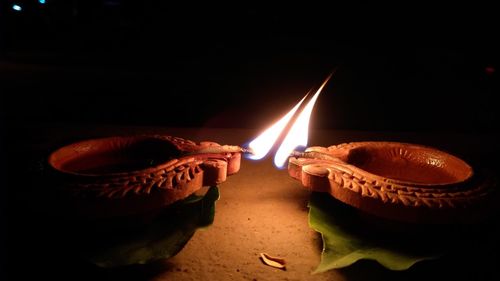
[397,181]
[119,176]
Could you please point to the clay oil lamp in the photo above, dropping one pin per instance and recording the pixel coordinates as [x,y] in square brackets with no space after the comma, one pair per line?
[396,181]
[121,176]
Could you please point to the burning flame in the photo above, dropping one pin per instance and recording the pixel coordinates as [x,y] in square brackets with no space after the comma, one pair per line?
[296,136]
[261,145]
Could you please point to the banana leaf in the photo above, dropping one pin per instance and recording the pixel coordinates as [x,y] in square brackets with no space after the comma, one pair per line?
[160,238]
[348,237]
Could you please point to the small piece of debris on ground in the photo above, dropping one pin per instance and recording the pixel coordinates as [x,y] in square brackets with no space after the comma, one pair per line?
[273,261]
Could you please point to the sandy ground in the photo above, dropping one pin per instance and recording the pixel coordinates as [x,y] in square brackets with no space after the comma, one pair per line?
[261,209]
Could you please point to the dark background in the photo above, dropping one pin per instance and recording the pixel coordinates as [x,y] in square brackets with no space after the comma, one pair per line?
[149,63]
[153,63]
